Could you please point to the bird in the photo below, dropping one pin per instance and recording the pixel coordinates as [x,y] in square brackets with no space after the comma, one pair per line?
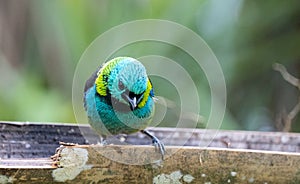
[119,99]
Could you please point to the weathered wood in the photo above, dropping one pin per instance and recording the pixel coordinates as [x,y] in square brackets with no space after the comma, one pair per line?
[196,156]
[34,140]
[89,164]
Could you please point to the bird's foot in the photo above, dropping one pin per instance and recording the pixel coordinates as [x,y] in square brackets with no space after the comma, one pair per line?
[160,146]
[156,142]
[103,142]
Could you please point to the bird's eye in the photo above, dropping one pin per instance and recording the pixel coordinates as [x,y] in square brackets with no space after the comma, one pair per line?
[121,85]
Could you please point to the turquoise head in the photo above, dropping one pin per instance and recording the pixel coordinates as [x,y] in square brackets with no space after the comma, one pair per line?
[125,81]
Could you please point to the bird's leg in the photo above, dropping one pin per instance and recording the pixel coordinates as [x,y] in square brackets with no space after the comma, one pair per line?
[156,142]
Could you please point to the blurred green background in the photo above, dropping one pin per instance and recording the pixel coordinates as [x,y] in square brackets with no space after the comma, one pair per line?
[41,42]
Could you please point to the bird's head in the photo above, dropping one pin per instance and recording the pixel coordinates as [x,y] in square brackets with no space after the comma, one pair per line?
[125,80]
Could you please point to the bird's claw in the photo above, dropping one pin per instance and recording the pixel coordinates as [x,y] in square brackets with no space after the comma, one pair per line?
[156,142]
[160,146]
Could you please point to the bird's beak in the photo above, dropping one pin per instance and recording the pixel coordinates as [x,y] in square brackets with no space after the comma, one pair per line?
[132,102]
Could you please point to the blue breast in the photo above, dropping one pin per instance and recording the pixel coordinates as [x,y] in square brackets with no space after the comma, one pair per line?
[105,120]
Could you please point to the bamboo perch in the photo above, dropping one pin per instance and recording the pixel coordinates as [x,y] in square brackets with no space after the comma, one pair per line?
[89,164]
[39,140]
[208,156]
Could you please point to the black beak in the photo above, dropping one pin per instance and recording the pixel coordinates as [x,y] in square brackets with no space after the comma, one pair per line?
[132,101]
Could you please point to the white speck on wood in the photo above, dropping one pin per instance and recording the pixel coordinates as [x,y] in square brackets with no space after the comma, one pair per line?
[5,179]
[251,180]
[233,174]
[174,177]
[188,178]
[27,145]
[285,139]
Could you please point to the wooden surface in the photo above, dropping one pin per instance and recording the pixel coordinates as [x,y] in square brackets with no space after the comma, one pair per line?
[192,156]
[198,165]
[28,140]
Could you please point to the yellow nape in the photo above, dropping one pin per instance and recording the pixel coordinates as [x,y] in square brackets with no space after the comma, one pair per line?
[146,95]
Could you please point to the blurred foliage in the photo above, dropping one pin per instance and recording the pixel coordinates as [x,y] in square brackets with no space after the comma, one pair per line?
[41,42]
